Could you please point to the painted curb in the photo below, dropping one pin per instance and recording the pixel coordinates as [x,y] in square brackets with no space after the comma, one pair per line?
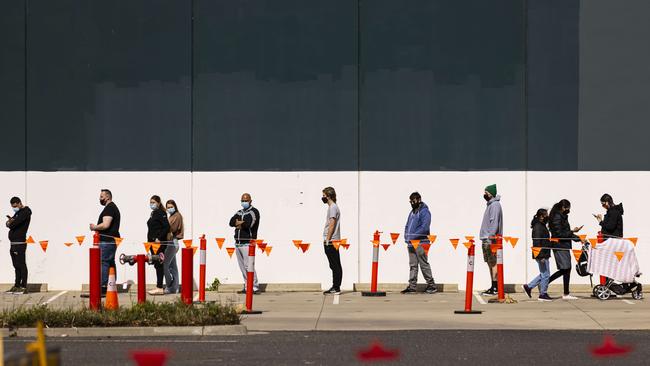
[211,330]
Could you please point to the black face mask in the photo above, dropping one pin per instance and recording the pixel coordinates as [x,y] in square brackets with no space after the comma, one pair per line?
[487,197]
[102,202]
[567,211]
[324,199]
[415,206]
[543,220]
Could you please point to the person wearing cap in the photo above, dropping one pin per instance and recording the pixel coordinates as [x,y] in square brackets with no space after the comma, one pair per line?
[491,227]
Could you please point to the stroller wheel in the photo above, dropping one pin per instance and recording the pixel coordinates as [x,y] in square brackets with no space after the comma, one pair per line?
[637,294]
[601,292]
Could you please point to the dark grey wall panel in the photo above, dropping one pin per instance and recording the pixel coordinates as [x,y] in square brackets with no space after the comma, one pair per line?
[552,84]
[275,85]
[12,85]
[442,85]
[614,85]
[109,85]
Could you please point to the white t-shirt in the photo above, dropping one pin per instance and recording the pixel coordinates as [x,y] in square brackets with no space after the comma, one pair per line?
[333,212]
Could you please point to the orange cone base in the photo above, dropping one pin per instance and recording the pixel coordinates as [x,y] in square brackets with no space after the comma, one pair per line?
[468,312]
[373,294]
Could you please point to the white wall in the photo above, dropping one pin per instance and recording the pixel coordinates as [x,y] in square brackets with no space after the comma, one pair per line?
[64,203]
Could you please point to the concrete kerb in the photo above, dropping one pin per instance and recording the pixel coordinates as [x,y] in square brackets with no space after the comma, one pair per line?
[211,330]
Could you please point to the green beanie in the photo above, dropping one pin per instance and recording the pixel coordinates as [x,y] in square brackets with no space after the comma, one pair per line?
[492,189]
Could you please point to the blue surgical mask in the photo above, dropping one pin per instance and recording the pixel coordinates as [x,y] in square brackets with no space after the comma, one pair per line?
[16,209]
[171,210]
[153,206]
[245,205]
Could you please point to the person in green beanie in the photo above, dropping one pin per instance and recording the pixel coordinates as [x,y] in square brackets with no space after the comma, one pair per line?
[491,226]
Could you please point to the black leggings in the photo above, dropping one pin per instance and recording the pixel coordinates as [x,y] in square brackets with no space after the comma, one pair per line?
[566,277]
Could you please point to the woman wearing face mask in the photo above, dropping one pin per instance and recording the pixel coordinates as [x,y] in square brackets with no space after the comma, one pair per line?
[540,240]
[176,230]
[158,228]
[561,230]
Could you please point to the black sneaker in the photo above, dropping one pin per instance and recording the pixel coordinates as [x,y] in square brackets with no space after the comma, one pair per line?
[241,291]
[11,290]
[527,290]
[408,290]
[20,291]
[490,292]
[544,297]
[431,289]
[332,291]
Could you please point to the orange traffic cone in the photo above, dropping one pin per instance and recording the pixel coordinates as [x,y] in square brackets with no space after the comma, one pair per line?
[111,291]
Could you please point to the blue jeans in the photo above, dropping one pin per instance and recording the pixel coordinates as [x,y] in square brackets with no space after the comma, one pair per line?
[108,260]
[542,278]
[170,268]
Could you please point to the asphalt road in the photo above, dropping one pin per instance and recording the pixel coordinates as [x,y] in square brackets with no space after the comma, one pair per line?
[426,347]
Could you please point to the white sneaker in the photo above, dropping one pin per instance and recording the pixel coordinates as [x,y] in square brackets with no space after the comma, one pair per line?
[569,297]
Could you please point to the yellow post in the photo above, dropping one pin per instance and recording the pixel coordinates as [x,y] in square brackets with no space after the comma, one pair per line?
[39,345]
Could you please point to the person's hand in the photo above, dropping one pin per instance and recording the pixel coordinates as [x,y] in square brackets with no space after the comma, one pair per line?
[599,217]
[578,228]
[239,222]
[92,227]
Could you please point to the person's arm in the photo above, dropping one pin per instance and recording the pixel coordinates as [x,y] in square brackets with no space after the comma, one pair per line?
[233,220]
[248,222]
[609,222]
[19,219]
[493,221]
[105,224]
[423,224]
[330,229]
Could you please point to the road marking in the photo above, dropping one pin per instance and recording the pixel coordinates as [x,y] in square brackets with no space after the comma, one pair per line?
[55,297]
[628,302]
[480,299]
[143,340]
[336,300]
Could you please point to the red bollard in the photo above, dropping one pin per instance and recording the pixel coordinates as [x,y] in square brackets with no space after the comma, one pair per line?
[500,286]
[469,284]
[187,285]
[95,280]
[600,239]
[202,269]
[375,268]
[250,276]
[142,281]
[96,239]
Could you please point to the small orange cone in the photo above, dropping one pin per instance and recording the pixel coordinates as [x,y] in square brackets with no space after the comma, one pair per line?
[467,244]
[118,241]
[345,245]
[43,244]
[415,243]
[513,241]
[230,251]
[393,237]
[494,248]
[426,247]
[619,255]
[304,247]
[296,243]
[454,242]
[194,250]
[432,238]
[267,250]
[336,244]
[582,237]
[80,239]
[111,291]
[536,251]
[577,253]
[147,246]
[469,238]
[593,243]
[30,240]
[188,243]
[68,244]
[633,240]
[386,246]
[262,246]
[220,242]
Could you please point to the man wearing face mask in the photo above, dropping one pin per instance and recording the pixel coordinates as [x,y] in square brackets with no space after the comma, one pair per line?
[611,226]
[491,226]
[108,227]
[417,228]
[18,225]
[246,222]
[332,231]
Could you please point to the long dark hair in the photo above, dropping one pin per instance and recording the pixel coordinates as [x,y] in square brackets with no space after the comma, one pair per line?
[541,212]
[158,201]
[557,208]
[607,198]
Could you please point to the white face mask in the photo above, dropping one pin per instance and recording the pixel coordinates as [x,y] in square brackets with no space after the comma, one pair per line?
[16,209]
[171,210]
[153,206]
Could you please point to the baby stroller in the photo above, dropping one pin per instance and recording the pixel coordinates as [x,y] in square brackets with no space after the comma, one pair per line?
[616,260]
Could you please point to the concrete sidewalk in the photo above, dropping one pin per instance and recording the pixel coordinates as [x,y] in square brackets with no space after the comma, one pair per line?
[301,311]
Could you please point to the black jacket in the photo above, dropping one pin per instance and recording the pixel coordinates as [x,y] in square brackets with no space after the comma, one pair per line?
[612,224]
[540,239]
[560,228]
[251,218]
[158,227]
[19,224]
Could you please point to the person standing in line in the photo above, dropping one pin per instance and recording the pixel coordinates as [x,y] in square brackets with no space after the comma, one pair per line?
[417,228]
[332,231]
[176,232]
[540,240]
[108,227]
[18,225]
[157,231]
[246,223]
[611,226]
[491,227]
[561,230]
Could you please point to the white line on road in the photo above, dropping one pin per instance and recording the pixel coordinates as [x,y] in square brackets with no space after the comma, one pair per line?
[56,296]
[336,300]
[628,302]
[480,299]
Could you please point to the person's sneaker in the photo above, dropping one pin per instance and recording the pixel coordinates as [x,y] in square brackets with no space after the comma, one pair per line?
[11,290]
[169,291]
[527,290]
[490,292]
[408,290]
[431,289]
[256,292]
[20,291]
[157,291]
[332,291]
[544,297]
[241,291]
[569,297]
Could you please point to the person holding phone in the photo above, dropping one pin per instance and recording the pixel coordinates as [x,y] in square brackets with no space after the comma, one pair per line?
[18,225]
[611,226]
[561,230]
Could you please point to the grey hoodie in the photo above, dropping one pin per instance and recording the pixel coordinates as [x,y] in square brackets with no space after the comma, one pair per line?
[492,224]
